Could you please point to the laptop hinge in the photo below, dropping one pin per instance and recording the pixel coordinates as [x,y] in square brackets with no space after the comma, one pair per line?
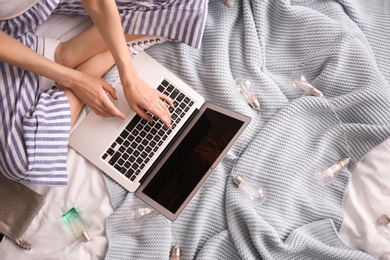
[168,147]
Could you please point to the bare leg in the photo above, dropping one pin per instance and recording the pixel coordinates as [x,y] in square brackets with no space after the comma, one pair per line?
[82,47]
[97,66]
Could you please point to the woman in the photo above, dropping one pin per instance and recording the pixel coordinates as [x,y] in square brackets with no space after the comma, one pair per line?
[36,123]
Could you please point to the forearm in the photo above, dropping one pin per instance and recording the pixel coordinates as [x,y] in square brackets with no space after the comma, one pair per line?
[112,32]
[17,54]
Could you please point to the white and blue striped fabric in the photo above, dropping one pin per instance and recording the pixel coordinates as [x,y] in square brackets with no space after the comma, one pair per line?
[36,124]
[177,20]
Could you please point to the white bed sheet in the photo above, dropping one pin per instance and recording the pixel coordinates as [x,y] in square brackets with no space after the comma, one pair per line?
[366,200]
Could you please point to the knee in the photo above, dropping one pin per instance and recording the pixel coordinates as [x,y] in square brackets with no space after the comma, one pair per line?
[63,56]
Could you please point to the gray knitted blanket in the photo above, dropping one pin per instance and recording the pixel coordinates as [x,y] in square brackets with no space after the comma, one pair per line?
[342,47]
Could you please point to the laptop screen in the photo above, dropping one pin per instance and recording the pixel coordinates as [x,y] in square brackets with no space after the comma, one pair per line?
[202,147]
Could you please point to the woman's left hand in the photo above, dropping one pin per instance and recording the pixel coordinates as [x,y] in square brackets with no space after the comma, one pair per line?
[141,97]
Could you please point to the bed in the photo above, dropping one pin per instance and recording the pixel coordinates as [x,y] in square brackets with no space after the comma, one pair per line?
[342,48]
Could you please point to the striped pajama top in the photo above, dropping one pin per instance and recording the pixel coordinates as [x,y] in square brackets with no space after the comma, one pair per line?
[35,122]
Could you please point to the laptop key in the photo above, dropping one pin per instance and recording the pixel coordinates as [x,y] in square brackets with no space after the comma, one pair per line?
[160,88]
[129,173]
[139,160]
[131,138]
[180,97]
[120,161]
[165,83]
[133,123]
[110,151]
[125,156]
[183,106]
[147,128]
[127,165]
[140,148]
[114,158]
[174,93]
[170,88]
[124,134]
[120,169]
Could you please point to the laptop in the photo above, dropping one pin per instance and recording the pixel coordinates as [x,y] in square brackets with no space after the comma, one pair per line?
[164,167]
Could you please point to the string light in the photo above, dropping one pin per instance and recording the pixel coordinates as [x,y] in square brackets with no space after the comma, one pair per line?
[302,83]
[140,211]
[333,171]
[175,254]
[382,225]
[244,87]
[256,194]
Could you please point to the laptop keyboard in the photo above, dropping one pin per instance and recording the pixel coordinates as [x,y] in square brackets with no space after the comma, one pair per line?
[136,145]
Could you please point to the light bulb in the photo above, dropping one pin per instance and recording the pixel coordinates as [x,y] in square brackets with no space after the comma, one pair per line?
[382,225]
[175,254]
[244,87]
[333,171]
[253,193]
[140,211]
[302,83]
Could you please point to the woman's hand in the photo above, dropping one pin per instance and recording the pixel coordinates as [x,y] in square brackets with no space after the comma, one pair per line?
[141,96]
[94,91]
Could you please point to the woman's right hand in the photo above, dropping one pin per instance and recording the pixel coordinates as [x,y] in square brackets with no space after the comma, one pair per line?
[93,92]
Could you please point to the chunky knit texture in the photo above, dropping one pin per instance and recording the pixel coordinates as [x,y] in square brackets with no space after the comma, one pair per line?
[342,47]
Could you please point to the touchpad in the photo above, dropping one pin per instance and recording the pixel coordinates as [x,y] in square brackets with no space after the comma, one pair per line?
[121,104]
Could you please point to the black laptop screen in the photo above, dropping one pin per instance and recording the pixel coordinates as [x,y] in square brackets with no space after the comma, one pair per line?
[191,160]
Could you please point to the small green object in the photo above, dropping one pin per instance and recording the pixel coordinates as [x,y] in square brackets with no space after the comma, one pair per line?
[75,223]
